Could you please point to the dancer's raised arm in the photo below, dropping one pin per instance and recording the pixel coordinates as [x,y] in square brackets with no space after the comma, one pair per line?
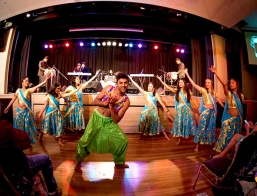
[166,85]
[224,84]
[197,87]
[90,80]
[136,85]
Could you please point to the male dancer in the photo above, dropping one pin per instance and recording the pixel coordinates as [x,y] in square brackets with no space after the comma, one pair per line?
[103,134]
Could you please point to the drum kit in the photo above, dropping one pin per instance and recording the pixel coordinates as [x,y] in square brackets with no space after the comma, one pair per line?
[170,76]
[103,75]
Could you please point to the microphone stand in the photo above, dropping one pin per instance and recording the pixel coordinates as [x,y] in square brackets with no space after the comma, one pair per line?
[58,72]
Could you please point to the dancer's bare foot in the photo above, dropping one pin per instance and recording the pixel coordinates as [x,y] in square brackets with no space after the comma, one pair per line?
[121,166]
[60,142]
[196,148]
[41,137]
[178,142]
[166,136]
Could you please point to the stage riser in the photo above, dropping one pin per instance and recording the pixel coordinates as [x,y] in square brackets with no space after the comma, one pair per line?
[130,120]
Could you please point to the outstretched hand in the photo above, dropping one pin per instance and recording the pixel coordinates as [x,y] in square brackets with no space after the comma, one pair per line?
[212,69]
[97,72]
[159,77]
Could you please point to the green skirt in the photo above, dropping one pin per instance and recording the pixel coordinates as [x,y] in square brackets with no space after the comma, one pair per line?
[101,136]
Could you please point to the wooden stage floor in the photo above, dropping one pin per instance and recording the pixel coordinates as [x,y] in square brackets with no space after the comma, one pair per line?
[157,167]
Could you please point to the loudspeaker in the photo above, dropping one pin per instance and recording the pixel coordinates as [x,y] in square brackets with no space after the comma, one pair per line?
[132,90]
[93,87]
[9,115]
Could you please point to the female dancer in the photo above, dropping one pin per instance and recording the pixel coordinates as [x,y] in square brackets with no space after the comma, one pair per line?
[206,131]
[233,112]
[184,124]
[74,117]
[149,123]
[52,123]
[24,118]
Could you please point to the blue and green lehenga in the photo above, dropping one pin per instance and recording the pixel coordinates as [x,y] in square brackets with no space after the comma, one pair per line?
[24,119]
[52,123]
[184,123]
[229,125]
[74,117]
[149,123]
[206,131]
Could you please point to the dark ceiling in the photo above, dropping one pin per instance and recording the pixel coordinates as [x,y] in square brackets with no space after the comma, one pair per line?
[158,23]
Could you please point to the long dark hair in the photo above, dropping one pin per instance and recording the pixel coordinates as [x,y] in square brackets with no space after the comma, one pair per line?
[185,89]
[52,89]
[73,81]
[238,92]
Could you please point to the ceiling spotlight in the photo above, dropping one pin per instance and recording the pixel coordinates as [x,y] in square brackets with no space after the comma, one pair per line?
[109,43]
[67,44]
[177,50]
[139,45]
[114,43]
[120,44]
[104,44]
[130,45]
[28,15]
[182,50]
[45,46]
[156,47]
[98,44]
[179,14]
[50,46]
[126,45]
[81,43]
[142,8]
[93,44]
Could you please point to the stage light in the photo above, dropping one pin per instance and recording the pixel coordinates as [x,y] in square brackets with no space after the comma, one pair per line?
[81,43]
[67,44]
[93,44]
[130,45]
[104,44]
[120,44]
[177,50]
[109,43]
[126,45]
[182,50]
[139,45]
[28,15]
[114,43]
[156,47]
[50,46]
[98,44]
[142,8]
[45,46]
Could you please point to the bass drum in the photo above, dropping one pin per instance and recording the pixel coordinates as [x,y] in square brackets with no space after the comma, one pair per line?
[172,76]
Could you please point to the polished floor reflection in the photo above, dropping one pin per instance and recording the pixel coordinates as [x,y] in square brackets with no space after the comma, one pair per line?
[157,167]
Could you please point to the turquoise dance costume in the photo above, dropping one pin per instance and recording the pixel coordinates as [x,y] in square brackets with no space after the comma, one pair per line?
[74,117]
[24,119]
[206,131]
[53,122]
[184,124]
[102,135]
[149,123]
[230,124]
